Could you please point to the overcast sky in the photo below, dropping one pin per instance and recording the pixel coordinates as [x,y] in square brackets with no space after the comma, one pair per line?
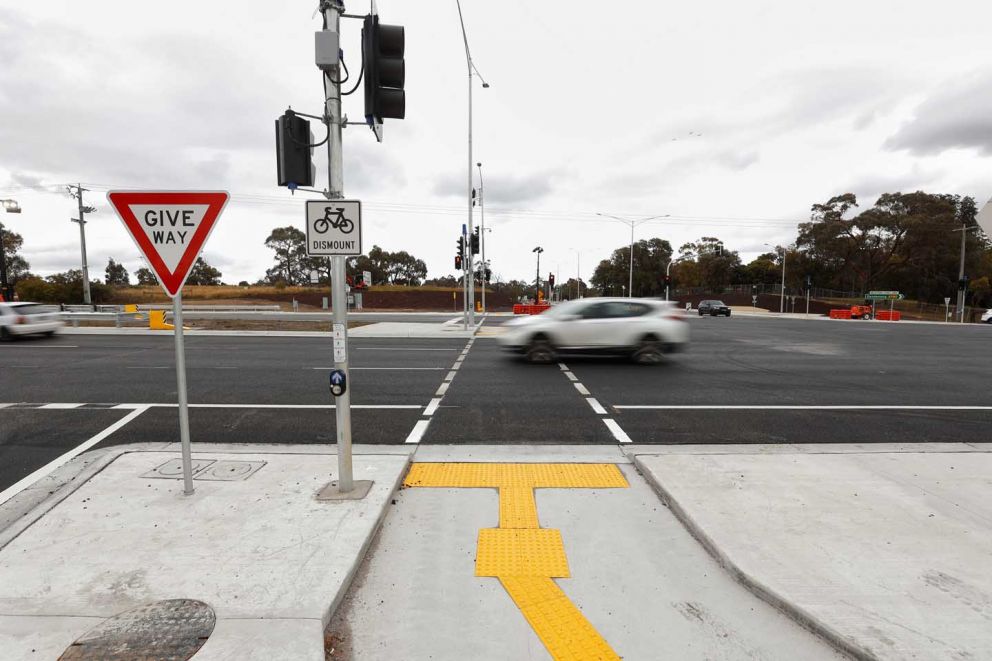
[733,118]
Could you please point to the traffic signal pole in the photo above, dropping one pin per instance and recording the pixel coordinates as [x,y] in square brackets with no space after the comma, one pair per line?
[339,300]
[961,290]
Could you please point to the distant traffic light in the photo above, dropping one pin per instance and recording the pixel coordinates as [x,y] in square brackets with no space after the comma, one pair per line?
[551,279]
[294,154]
[668,280]
[385,70]
[489,275]
[458,262]
[475,241]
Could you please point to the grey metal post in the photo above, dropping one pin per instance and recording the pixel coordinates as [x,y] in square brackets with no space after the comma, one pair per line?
[668,272]
[781,303]
[470,271]
[482,235]
[807,300]
[630,284]
[961,292]
[339,300]
[177,321]
[3,267]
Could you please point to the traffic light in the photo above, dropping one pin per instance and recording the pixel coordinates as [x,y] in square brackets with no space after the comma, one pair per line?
[294,153]
[668,280]
[458,262]
[385,70]
[551,279]
[475,241]
[489,275]
[359,280]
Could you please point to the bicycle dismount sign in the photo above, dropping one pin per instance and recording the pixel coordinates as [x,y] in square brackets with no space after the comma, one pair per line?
[334,227]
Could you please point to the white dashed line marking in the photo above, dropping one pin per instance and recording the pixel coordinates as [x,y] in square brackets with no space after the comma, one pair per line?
[581,388]
[596,406]
[618,433]
[571,377]
[418,430]
[432,407]
[60,406]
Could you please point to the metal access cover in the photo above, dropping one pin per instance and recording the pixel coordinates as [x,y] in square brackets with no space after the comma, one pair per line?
[168,630]
[173,468]
[230,470]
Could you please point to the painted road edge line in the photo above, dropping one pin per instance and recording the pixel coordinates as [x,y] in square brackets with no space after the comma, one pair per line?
[25,482]
[618,433]
[796,407]
[596,406]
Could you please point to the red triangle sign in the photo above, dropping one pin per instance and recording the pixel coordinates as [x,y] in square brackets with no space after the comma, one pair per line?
[169,228]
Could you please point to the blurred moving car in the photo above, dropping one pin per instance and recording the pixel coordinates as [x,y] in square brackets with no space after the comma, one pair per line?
[643,329]
[713,308]
[987,317]
[17,319]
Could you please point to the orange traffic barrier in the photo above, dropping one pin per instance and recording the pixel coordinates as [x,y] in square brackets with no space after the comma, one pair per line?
[840,314]
[885,315]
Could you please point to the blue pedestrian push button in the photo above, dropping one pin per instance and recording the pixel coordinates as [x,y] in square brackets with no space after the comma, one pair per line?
[339,382]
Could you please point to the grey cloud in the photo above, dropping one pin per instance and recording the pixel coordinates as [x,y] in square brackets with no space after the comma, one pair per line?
[957,116]
[502,189]
[193,108]
[869,187]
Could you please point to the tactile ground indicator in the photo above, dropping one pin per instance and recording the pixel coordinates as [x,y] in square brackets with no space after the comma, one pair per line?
[522,555]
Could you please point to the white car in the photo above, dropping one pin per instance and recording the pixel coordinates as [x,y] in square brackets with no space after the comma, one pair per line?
[644,329]
[17,319]
[987,317]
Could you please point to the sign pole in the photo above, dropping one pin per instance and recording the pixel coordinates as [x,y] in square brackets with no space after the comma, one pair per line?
[177,320]
[342,407]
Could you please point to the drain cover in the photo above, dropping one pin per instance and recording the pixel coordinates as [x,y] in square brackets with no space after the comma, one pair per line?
[173,468]
[169,630]
[230,470]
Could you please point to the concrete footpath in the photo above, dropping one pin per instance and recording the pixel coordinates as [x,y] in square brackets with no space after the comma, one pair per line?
[512,552]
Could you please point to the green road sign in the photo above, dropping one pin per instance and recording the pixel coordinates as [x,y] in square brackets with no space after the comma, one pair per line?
[884,296]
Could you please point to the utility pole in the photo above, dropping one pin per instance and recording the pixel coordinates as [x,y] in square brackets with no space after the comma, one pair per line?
[339,298]
[633,222]
[537,281]
[78,194]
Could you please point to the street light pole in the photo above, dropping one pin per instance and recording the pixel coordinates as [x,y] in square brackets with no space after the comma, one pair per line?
[482,235]
[471,258]
[668,272]
[961,291]
[633,222]
[537,281]
[10,206]
[781,304]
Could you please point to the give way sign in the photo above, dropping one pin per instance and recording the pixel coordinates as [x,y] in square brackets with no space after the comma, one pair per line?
[169,228]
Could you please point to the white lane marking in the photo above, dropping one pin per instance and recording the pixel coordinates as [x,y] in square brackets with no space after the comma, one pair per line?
[23,483]
[596,406]
[60,406]
[432,407]
[571,377]
[618,433]
[418,430]
[581,388]
[3,406]
[563,367]
[450,375]
[404,349]
[268,406]
[148,367]
[441,389]
[40,346]
[434,369]
[798,407]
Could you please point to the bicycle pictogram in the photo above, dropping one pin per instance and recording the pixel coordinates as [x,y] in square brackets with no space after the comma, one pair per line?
[338,222]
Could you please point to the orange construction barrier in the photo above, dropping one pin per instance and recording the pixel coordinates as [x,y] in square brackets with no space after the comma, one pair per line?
[519,308]
[841,314]
[885,315]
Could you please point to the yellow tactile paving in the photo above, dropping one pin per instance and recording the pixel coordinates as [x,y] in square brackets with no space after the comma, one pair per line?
[547,476]
[521,554]
[565,632]
[537,552]
[517,508]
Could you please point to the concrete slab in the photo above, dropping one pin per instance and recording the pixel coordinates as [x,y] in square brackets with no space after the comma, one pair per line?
[886,551]
[636,575]
[42,638]
[411,329]
[262,548]
[264,640]
[804,448]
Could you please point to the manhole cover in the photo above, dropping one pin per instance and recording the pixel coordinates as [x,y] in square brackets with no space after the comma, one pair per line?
[230,470]
[168,630]
[173,469]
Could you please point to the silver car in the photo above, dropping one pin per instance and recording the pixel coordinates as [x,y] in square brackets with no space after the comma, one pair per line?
[17,319]
[644,329]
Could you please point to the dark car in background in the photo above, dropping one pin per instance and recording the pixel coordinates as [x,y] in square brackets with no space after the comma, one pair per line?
[713,308]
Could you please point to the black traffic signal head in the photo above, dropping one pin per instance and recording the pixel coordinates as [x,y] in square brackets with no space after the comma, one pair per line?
[475,241]
[551,279]
[460,246]
[385,70]
[458,262]
[668,280]
[294,155]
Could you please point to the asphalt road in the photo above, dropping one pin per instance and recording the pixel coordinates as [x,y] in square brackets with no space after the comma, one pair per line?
[742,380]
